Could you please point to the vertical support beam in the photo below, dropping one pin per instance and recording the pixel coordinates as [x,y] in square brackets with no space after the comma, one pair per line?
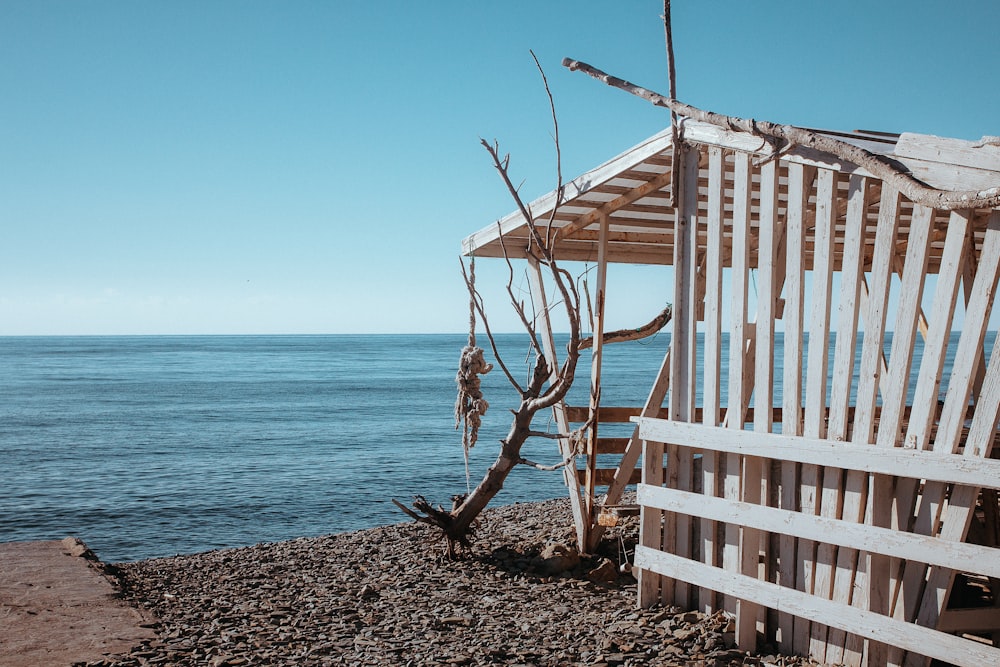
[894,390]
[595,368]
[712,395]
[738,391]
[680,461]
[651,524]
[834,491]
[768,285]
[816,378]
[799,186]
[634,447]
[566,448]
[871,373]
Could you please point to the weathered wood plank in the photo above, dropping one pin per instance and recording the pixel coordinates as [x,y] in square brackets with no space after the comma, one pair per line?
[753,468]
[970,620]
[962,503]
[933,466]
[925,401]
[596,358]
[683,378]
[854,536]
[894,393]
[604,476]
[963,375]
[712,395]
[824,612]
[738,368]
[813,643]
[841,565]
[650,525]
[977,154]
[799,187]
[870,376]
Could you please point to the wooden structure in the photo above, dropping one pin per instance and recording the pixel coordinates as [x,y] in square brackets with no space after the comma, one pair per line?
[824,470]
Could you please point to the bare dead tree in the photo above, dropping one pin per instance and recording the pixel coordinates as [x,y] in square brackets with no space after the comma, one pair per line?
[546,385]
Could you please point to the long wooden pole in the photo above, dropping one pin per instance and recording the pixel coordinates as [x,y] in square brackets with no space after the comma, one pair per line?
[875,164]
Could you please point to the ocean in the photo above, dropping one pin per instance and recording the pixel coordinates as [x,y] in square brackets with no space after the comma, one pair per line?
[151,446]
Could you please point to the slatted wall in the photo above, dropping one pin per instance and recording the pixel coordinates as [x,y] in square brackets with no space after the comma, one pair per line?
[833,520]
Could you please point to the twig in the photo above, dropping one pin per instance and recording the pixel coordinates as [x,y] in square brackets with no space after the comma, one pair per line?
[412,514]
[539,466]
[489,333]
[621,335]
[675,149]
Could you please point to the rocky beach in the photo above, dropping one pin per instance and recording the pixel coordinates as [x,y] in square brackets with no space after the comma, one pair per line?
[386,596]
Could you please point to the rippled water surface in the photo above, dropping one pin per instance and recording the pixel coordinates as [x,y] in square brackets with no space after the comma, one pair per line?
[150,446]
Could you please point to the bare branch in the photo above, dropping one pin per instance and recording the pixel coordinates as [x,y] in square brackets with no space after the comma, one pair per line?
[878,165]
[675,144]
[486,327]
[518,307]
[539,466]
[622,335]
[555,131]
[412,514]
[544,434]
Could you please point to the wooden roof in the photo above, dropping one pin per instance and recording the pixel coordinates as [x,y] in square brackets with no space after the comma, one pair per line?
[632,189]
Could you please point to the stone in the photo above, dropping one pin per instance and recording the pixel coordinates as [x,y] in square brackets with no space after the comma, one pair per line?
[308,602]
[606,572]
[558,558]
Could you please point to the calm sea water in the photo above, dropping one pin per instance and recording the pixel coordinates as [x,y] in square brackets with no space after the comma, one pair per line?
[150,446]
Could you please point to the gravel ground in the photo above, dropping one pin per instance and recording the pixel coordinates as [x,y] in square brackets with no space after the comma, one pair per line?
[386,596]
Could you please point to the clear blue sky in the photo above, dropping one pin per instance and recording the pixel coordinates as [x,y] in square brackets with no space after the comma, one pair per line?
[311,167]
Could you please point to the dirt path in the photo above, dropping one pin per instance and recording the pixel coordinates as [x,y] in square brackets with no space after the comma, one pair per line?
[57,608]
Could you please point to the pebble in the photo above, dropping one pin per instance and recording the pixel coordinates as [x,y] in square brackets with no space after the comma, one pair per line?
[386,596]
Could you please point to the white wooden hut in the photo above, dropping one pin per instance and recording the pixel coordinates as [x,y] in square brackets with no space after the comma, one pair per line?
[829,506]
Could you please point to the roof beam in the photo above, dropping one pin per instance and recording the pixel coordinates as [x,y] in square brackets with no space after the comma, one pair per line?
[610,207]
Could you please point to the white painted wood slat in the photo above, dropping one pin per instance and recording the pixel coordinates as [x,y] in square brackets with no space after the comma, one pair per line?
[932,466]
[858,536]
[813,642]
[825,612]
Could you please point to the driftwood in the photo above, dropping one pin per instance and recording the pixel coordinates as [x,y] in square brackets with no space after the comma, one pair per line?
[622,335]
[785,137]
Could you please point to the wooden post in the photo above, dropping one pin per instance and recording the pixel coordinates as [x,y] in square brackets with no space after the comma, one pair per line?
[712,395]
[834,492]
[799,186]
[768,288]
[894,391]
[850,649]
[595,370]
[566,448]
[680,461]
[746,633]
[813,642]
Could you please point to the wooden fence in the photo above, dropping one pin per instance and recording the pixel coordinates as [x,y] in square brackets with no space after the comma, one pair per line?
[838,528]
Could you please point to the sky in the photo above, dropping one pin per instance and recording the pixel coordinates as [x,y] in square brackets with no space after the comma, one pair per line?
[250,167]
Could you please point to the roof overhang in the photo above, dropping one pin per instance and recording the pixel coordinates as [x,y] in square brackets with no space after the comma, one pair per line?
[632,191]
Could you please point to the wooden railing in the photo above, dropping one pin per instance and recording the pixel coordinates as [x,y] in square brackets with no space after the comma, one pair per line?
[749,532]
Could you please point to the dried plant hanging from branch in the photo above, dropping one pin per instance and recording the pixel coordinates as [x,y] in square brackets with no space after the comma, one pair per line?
[470,405]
